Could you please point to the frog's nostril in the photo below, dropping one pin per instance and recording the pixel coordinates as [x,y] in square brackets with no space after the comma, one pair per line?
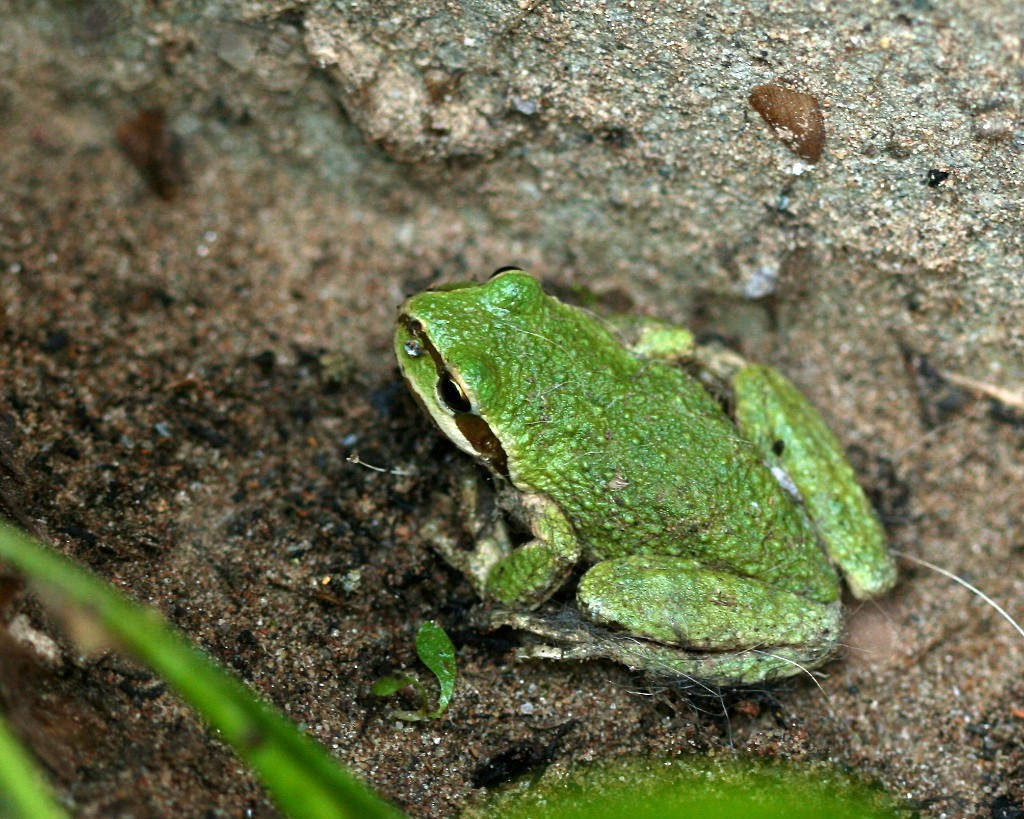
[413,348]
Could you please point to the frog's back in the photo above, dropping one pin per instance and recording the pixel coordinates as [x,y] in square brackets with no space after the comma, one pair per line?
[642,459]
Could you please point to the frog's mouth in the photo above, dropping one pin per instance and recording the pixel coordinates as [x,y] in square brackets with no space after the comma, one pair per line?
[461,423]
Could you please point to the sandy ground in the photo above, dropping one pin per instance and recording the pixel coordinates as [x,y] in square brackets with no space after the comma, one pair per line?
[165,398]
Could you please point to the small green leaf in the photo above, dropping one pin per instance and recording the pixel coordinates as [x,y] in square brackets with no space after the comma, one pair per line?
[435,650]
[437,653]
[386,686]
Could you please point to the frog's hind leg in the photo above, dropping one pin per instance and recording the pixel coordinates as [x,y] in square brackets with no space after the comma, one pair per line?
[574,639]
[671,616]
[794,441]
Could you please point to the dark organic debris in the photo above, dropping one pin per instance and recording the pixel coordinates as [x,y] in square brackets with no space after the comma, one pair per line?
[938,399]
[12,479]
[152,147]
[519,759]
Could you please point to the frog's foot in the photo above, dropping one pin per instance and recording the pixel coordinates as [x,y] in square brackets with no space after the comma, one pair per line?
[475,563]
[482,523]
[572,638]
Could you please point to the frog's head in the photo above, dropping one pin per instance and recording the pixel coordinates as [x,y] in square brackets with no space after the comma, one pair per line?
[456,347]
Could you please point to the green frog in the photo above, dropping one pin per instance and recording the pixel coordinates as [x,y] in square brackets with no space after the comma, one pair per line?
[696,503]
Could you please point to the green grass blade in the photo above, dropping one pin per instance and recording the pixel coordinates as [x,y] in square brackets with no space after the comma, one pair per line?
[23,788]
[300,775]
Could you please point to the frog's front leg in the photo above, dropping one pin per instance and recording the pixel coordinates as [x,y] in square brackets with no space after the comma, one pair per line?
[530,574]
[483,523]
[523,576]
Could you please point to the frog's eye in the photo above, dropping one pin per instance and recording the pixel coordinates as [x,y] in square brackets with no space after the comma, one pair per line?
[451,394]
[505,269]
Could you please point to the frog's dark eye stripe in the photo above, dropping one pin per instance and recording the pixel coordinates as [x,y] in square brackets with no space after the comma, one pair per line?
[505,269]
[452,395]
[484,442]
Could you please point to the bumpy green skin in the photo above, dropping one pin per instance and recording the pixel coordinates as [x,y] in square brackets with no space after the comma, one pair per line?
[702,564]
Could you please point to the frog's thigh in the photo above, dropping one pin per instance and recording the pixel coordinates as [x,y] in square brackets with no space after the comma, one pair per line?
[790,435]
[531,574]
[674,600]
